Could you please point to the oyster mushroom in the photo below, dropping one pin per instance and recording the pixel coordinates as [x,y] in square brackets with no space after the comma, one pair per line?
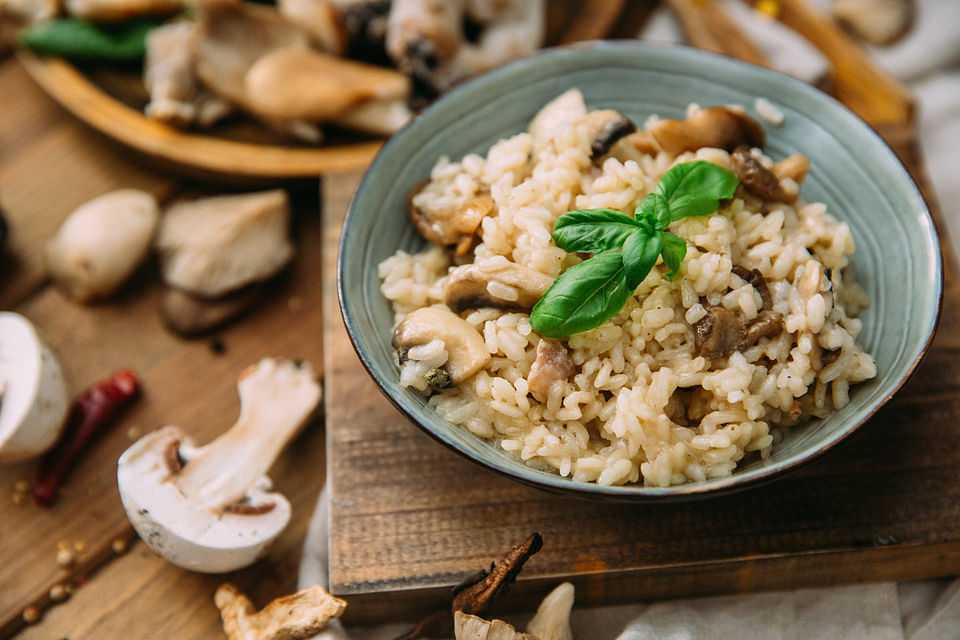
[467,352]
[604,128]
[212,246]
[552,364]
[721,127]
[301,615]
[101,244]
[758,179]
[879,22]
[552,620]
[33,395]
[293,83]
[448,225]
[503,286]
[208,508]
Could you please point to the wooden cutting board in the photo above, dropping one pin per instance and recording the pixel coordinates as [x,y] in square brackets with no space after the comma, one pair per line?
[410,519]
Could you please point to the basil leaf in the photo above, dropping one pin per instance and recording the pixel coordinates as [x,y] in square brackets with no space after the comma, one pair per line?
[584,296]
[593,230]
[655,208]
[640,253]
[674,249]
[77,39]
[696,188]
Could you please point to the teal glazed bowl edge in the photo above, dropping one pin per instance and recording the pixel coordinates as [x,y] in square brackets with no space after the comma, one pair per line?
[898,258]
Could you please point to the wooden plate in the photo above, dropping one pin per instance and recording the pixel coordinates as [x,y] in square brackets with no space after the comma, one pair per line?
[112,102]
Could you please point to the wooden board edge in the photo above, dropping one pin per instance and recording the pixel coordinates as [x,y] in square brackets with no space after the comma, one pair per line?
[779,572]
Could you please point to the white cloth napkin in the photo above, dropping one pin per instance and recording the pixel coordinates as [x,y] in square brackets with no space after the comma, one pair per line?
[928,60]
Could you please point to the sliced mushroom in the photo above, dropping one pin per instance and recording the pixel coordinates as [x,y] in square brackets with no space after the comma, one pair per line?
[634,147]
[464,344]
[445,225]
[321,18]
[294,83]
[293,617]
[120,10]
[212,246]
[794,167]
[209,508]
[604,128]
[879,22]
[553,364]
[189,316]
[721,127]
[552,620]
[767,324]
[756,279]
[510,286]
[101,244]
[719,333]
[756,178]
[470,627]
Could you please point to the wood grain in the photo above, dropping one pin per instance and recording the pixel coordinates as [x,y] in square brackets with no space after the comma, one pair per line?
[185,383]
[708,26]
[409,519]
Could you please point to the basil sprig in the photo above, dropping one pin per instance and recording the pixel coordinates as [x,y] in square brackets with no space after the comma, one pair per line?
[625,248]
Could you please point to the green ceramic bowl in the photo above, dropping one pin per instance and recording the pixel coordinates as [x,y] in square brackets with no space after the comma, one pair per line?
[853,171]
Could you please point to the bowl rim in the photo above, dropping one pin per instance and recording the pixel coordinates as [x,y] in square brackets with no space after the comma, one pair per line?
[639,493]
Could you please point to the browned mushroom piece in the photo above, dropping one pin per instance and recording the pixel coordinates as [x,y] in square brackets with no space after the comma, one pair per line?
[475,594]
[604,128]
[756,178]
[633,147]
[721,127]
[795,167]
[719,333]
[445,226]
[756,279]
[767,324]
[464,344]
[553,363]
[509,287]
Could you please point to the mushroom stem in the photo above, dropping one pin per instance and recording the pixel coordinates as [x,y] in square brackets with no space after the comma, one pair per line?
[276,398]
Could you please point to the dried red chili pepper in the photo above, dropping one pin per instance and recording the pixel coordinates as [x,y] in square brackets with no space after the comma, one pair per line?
[90,413]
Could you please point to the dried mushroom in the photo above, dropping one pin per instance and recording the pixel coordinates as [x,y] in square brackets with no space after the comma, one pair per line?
[470,627]
[467,352]
[604,128]
[553,364]
[101,244]
[210,508]
[474,595]
[721,127]
[293,617]
[758,179]
[503,286]
[212,246]
[719,333]
[448,226]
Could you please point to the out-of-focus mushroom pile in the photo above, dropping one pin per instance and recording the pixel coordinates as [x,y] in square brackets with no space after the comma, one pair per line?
[293,66]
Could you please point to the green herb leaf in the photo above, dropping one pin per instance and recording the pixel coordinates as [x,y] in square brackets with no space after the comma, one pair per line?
[696,188]
[584,296]
[593,230]
[674,248]
[654,207]
[640,253]
[77,39]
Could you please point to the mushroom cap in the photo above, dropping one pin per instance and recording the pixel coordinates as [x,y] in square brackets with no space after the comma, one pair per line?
[604,128]
[494,283]
[464,344]
[34,402]
[213,246]
[186,533]
[101,244]
[294,83]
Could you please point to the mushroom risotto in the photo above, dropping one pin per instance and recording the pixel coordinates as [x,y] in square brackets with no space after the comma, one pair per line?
[546,316]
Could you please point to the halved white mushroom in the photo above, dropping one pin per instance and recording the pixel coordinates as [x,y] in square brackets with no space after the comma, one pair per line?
[501,284]
[209,509]
[466,349]
[33,395]
[213,246]
[101,244]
